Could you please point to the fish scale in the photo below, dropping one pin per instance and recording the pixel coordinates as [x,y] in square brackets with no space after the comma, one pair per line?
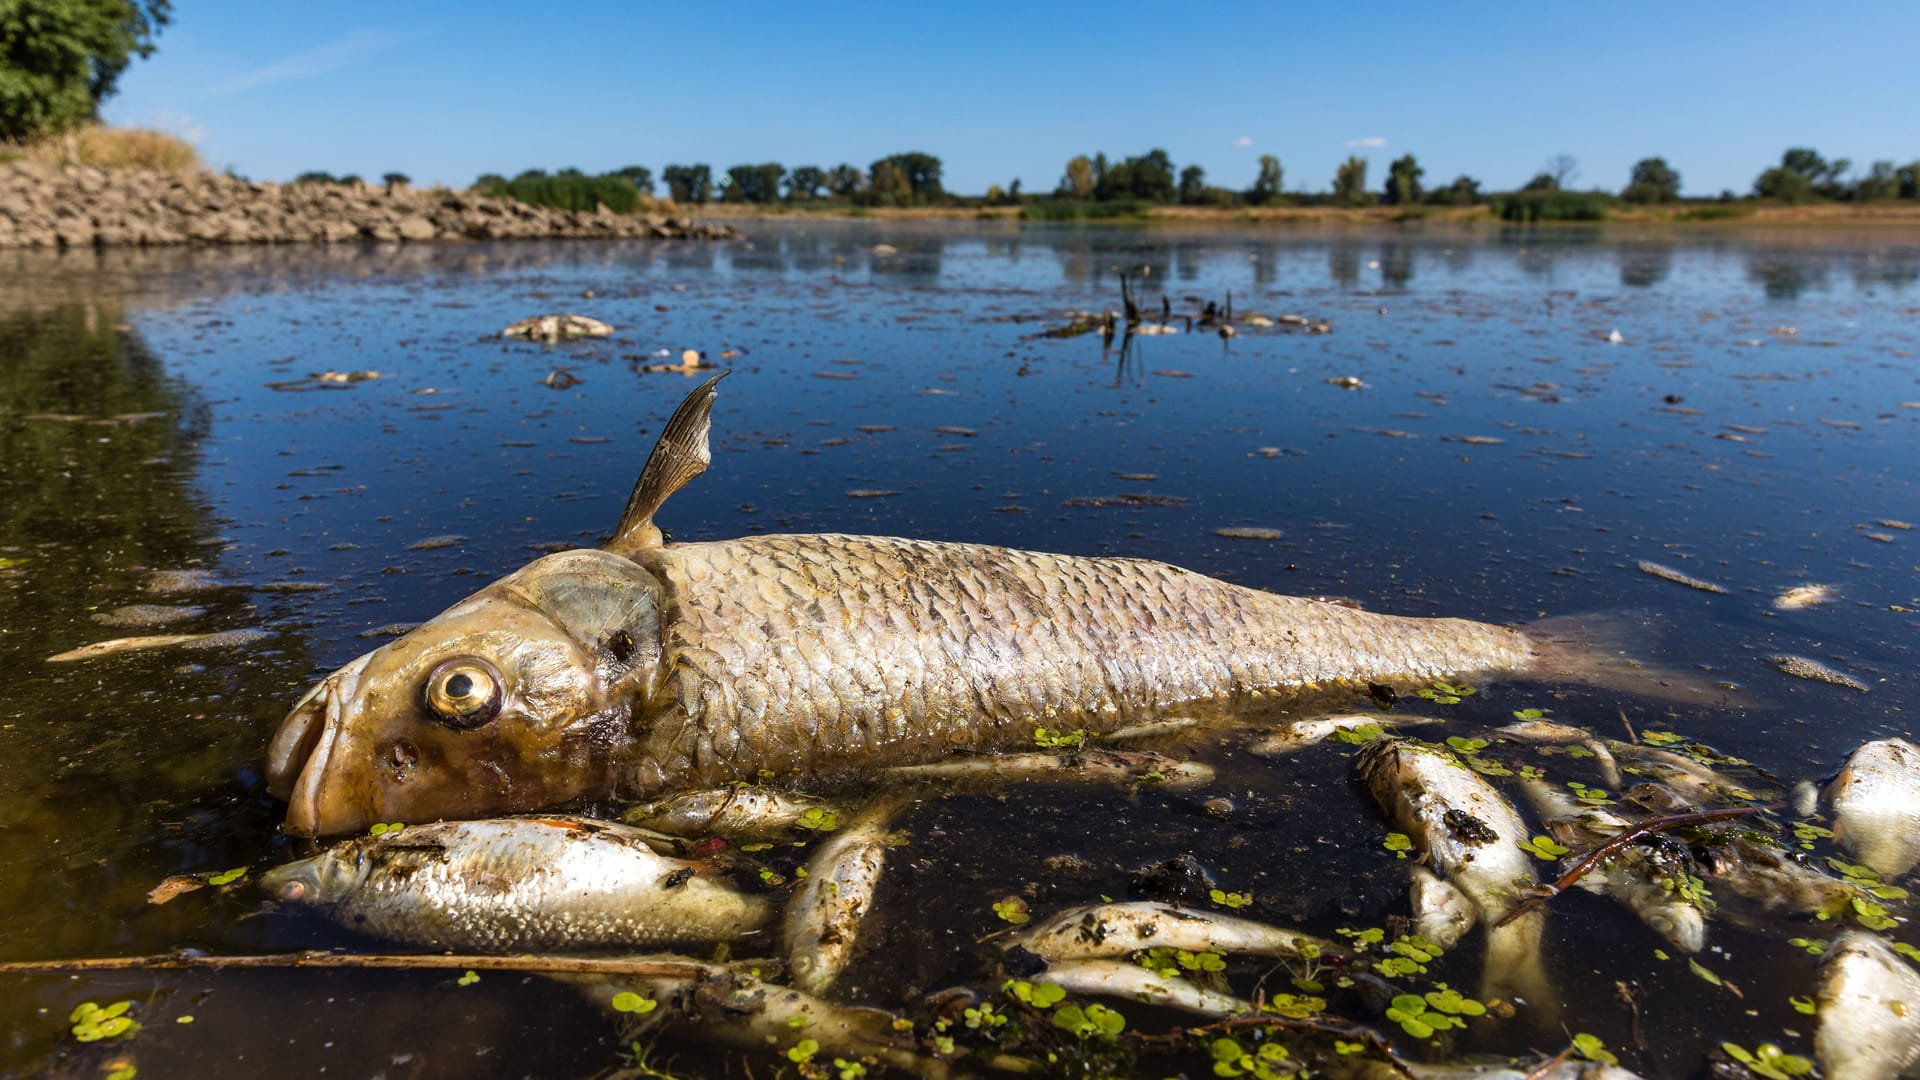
[797,652]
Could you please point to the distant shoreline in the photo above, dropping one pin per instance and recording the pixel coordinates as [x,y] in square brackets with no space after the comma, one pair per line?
[1903,214]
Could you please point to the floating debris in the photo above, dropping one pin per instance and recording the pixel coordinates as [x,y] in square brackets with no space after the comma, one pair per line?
[561,379]
[1347,382]
[292,586]
[1890,524]
[963,432]
[331,376]
[181,581]
[871,493]
[432,542]
[1615,337]
[1803,596]
[145,615]
[1668,573]
[1126,499]
[1802,668]
[884,249]
[1250,532]
[557,328]
[1474,440]
[116,646]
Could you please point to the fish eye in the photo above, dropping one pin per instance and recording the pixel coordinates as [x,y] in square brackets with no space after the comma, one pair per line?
[463,693]
[292,891]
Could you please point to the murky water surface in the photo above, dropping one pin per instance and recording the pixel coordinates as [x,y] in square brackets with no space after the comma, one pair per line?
[1755,425]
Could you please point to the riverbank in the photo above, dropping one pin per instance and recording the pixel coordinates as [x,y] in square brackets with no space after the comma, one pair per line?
[52,206]
[1903,213]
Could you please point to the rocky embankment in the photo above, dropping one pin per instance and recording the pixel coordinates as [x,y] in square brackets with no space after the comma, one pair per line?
[49,206]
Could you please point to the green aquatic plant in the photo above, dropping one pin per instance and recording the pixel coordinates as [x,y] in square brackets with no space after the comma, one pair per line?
[1804,1005]
[1465,745]
[92,1022]
[1359,736]
[1268,1061]
[1813,946]
[802,1052]
[848,1070]
[1445,693]
[1703,972]
[1230,899]
[1769,1061]
[227,877]
[1294,1006]
[627,1001]
[1588,794]
[819,819]
[1589,1046]
[1807,832]
[1013,909]
[468,979]
[386,828]
[1091,1022]
[984,1017]
[1411,1012]
[1529,714]
[1398,843]
[1059,740]
[1544,848]
[1865,879]
[1531,772]
[1038,995]
[1907,951]
[1488,767]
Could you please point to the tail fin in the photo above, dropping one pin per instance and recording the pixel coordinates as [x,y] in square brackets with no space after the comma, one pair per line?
[1515,969]
[1596,650]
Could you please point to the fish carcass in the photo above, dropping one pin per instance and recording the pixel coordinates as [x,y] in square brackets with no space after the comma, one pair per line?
[645,667]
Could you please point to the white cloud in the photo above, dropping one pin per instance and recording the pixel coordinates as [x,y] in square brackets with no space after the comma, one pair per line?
[322,59]
[1371,142]
[1243,141]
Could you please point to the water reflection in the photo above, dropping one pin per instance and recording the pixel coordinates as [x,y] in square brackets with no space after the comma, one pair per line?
[1643,266]
[1785,275]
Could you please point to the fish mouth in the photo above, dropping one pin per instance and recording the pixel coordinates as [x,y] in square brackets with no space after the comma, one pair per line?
[302,750]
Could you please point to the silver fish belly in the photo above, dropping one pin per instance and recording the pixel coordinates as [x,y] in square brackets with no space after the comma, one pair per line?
[514,885]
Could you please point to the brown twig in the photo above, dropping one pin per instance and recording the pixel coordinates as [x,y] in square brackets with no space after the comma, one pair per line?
[572,965]
[1620,843]
[1549,1065]
[1632,736]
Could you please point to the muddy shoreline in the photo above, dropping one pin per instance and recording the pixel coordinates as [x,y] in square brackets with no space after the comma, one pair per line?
[68,207]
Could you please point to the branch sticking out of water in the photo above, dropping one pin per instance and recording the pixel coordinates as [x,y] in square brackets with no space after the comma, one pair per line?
[1620,843]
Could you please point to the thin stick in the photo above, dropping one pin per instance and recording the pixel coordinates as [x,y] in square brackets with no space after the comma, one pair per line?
[572,965]
[1632,736]
[1620,843]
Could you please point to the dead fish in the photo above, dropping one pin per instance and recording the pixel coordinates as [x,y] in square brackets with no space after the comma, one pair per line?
[731,811]
[1803,596]
[1668,573]
[643,666]
[1802,668]
[1876,806]
[1869,1002]
[1655,878]
[1698,784]
[824,916]
[145,615]
[220,639]
[1296,735]
[1472,838]
[717,1003]
[557,328]
[1441,913]
[1360,1067]
[1126,979]
[1103,931]
[516,885]
[1769,881]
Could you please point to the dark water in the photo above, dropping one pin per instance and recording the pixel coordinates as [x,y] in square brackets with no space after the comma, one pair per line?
[1755,427]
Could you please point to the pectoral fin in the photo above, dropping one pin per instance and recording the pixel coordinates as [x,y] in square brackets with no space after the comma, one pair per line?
[680,455]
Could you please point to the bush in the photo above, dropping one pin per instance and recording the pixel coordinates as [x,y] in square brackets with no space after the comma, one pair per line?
[1084,210]
[1527,206]
[116,148]
[565,191]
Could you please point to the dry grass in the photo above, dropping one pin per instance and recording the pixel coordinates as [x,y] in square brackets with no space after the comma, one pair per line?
[111,148]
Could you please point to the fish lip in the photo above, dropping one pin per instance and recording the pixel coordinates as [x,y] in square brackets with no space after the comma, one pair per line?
[299,760]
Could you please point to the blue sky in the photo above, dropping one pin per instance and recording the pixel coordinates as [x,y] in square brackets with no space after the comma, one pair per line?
[447,91]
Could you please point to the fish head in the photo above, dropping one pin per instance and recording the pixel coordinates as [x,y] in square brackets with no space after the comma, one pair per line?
[320,881]
[518,698]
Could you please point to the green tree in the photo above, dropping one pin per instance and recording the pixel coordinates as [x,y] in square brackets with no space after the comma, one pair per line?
[1149,177]
[1909,176]
[804,182]
[1801,175]
[1543,181]
[59,59]
[1350,182]
[1881,182]
[886,186]
[919,172]
[1652,181]
[1266,184]
[689,183]
[843,180]
[1078,181]
[1193,185]
[639,176]
[754,183]
[395,179]
[1403,181]
[1464,191]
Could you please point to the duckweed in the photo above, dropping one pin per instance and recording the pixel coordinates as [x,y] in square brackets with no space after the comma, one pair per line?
[227,877]
[1805,1005]
[627,1001]
[1059,740]
[1661,738]
[1445,693]
[1398,843]
[1230,899]
[1268,1061]
[819,819]
[1589,1046]
[1013,909]
[802,1052]
[93,1022]
[1544,848]
[1091,1022]
[1038,995]
[1769,1061]
[469,978]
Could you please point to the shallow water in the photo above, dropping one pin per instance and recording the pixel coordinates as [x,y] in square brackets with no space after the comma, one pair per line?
[1754,427]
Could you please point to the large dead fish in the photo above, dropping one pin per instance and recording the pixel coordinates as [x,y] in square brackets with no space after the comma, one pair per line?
[643,666]
[1876,805]
[517,885]
[1869,1000]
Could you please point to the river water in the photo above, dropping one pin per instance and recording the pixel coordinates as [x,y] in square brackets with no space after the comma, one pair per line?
[1537,413]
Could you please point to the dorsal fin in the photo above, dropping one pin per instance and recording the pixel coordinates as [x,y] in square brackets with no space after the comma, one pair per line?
[679,456]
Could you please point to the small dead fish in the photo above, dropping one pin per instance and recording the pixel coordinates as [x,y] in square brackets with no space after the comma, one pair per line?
[146,615]
[1869,1002]
[1296,735]
[1249,532]
[1103,931]
[1770,881]
[1876,806]
[1653,878]
[824,916]
[1441,913]
[731,811]
[116,646]
[431,543]
[1126,979]
[557,328]
[1802,668]
[1668,573]
[1801,597]
[516,885]
[1699,784]
[1472,837]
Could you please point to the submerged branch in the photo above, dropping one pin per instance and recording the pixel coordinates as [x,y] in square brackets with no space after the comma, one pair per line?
[1625,840]
[650,966]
